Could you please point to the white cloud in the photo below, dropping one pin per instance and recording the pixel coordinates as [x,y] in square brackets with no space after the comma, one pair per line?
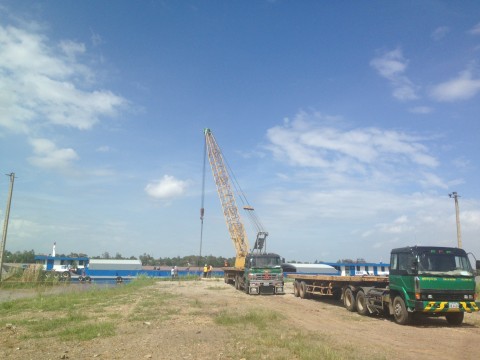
[470,220]
[366,153]
[96,39]
[398,226]
[72,48]
[104,149]
[421,110]
[475,30]
[392,66]
[440,32]
[48,156]
[463,87]
[47,84]
[431,180]
[167,188]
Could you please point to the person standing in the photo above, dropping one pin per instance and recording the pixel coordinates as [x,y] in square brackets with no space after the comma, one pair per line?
[205,271]
[172,272]
[210,269]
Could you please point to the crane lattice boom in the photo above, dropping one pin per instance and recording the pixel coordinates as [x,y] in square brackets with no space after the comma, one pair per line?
[230,210]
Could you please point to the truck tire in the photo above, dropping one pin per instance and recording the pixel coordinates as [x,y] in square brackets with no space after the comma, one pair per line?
[296,291]
[302,290]
[361,303]
[400,312]
[349,300]
[455,319]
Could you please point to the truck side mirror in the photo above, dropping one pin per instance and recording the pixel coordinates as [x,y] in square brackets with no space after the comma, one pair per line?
[478,265]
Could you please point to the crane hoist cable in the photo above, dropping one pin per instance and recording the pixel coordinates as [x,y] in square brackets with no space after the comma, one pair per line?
[202,205]
[260,242]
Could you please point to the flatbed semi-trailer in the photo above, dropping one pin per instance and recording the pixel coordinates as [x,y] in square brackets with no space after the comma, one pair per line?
[431,281]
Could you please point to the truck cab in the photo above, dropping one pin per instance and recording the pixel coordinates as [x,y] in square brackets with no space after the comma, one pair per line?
[263,274]
[434,281]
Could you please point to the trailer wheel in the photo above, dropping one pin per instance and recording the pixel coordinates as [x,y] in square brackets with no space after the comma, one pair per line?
[361,303]
[66,275]
[296,291]
[349,300]
[455,319]
[400,313]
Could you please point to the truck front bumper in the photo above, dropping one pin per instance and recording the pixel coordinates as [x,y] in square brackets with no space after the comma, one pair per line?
[264,287]
[446,306]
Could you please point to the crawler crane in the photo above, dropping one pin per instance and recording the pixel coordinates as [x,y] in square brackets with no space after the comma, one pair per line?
[255,271]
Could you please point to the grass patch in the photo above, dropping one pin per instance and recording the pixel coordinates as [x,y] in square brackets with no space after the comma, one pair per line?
[258,319]
[267,334]
[154,307]
[88,331]
[81,313]
[216,288]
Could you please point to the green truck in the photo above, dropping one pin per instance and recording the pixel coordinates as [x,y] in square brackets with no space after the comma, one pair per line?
[423,281]
[262,274]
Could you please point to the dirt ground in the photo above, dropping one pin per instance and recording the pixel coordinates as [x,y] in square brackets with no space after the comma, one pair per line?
[190,332]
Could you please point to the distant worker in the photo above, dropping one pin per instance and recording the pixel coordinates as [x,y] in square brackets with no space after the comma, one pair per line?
[210,269]
[172,272]
[225,263]
[205,271]
[175,271]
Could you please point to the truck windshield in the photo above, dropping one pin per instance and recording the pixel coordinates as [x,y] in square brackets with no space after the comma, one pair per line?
[265,261]
[436,263]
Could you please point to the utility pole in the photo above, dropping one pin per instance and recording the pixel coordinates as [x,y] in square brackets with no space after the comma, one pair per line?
[455,196]
[5,222]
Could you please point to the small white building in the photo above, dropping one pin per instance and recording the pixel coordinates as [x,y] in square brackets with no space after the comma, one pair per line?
[114,264]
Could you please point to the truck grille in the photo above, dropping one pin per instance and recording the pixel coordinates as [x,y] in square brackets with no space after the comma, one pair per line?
[265,276]
[450,296]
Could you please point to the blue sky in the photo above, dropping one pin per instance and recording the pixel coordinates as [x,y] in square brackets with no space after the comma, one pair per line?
[346,123]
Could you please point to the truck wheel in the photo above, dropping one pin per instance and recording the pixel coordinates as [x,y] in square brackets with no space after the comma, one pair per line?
[296,291]
[66,275]
[361,303]
[400,313]
[349,300]
[302,290]
[455,319]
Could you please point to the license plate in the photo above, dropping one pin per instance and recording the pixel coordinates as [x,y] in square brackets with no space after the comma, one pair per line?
[453,305]
[266,284]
